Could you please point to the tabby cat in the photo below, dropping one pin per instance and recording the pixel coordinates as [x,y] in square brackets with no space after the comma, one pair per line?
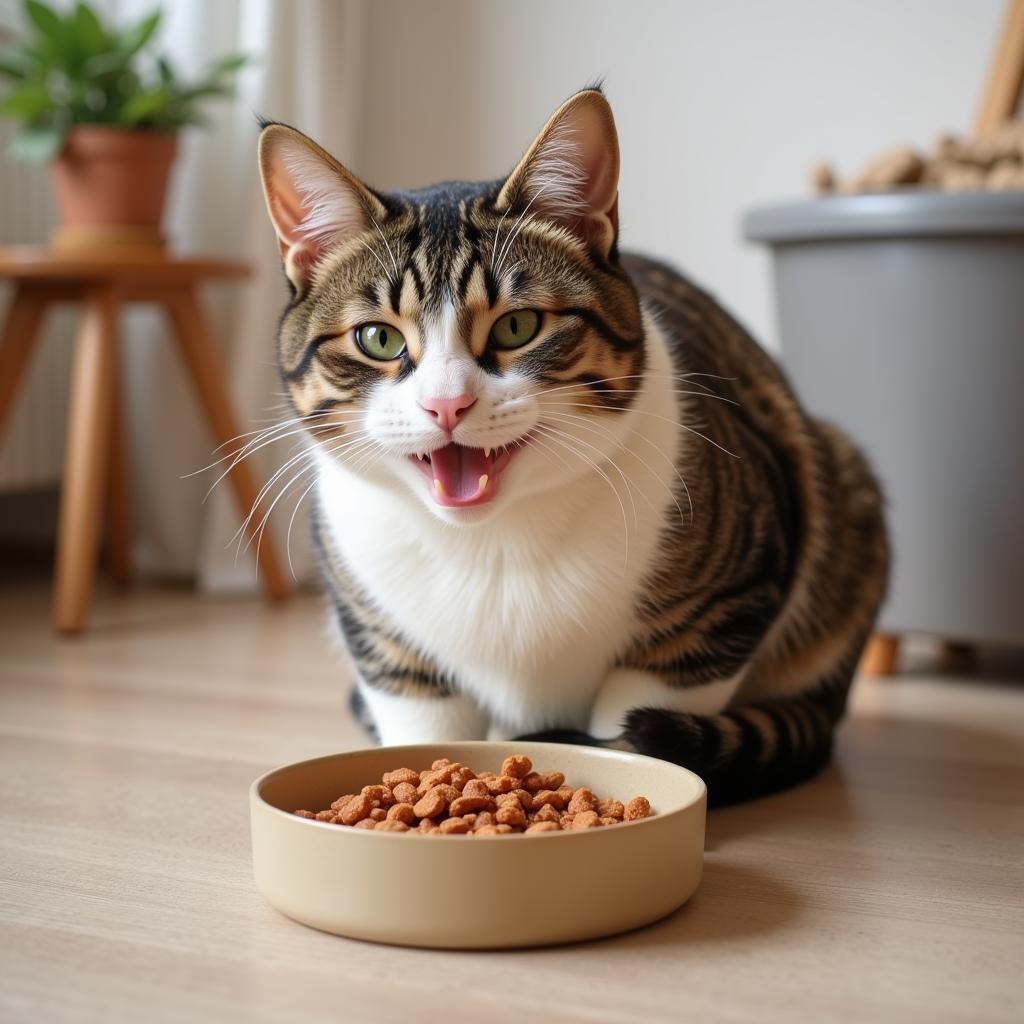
[559,492]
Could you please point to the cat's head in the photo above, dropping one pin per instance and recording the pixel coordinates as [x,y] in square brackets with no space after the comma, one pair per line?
[471,344]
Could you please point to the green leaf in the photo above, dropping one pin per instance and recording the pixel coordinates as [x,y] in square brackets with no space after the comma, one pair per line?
[46,20]
[27,100]
[166,70]
[136,38]
[91,34]
[143,106]
[36,145]
[11,66]
[114,62]
[226,65]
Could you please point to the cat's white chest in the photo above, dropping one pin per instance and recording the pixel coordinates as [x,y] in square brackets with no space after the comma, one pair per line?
[526,625]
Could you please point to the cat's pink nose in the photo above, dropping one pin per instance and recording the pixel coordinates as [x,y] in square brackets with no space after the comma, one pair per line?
[447,410]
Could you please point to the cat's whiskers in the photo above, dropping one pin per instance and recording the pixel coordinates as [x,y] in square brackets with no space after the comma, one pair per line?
[516,228]
[557,436]
[269,438]
[629,482]
[588,385]
[257,533]
[394,262]
[373,252]
[586,424]
[291,522]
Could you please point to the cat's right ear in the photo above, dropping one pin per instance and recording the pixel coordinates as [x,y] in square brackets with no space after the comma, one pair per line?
[314,203]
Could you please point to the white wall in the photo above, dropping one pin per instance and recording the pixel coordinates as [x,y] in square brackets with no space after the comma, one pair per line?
[720,105]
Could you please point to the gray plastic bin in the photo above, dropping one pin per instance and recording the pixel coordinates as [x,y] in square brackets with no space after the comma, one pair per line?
[902,319]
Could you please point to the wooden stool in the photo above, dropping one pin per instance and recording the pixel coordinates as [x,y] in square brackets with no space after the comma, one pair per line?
[94,465]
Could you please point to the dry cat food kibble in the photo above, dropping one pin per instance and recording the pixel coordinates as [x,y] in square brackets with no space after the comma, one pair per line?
[450,799]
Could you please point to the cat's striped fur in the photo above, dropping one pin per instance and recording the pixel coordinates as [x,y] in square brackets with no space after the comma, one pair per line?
[758,560]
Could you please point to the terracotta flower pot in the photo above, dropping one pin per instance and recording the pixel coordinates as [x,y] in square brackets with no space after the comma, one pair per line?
[110,185]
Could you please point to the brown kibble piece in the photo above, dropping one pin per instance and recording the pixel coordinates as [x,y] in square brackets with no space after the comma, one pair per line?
[403,812]
[431,804]
[546,797]
[425,825]
[400,775]
[355,810]
[448,791]
[502,784]
[461,804]
[536,781]
[610,808]
[341,801]
[582,800]
[305,814]
[476,787]
[441,762]
[518,766]
[378,813]
[503,830]
[638,807]
[390,825]
[486,830]
[454,825]
[461,777]
[483,819]
[366,823]
[324,815]
[405,793]
[608,820]
[525,798]
[380,796]
[565,794]
[511,813]
[544,826]
[585,819]
[547,813]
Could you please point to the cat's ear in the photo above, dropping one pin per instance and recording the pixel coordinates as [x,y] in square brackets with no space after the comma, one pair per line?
[571,172]
[315,203]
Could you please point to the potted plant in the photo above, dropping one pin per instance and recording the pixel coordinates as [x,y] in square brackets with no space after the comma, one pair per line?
[104,117]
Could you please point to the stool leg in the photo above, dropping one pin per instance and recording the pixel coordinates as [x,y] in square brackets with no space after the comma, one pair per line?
[200,353]
[86,458]
[119,537]
[879,657]
[24,319]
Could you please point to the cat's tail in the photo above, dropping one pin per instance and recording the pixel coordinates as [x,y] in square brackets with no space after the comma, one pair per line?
[741,753]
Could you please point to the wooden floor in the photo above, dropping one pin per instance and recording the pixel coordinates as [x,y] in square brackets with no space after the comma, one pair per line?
[889,889]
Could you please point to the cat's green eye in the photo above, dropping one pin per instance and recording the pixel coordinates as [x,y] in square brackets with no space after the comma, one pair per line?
[514,330]
[380,341]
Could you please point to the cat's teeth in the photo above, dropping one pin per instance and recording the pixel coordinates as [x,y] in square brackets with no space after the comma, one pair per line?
[482,482]
[487,453]
[439,487]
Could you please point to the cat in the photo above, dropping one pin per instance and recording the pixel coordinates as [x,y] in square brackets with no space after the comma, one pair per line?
[559,492]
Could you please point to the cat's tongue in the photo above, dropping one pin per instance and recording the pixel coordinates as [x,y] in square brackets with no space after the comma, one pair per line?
[461,475]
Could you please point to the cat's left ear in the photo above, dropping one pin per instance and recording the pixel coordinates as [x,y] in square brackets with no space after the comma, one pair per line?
[571,172]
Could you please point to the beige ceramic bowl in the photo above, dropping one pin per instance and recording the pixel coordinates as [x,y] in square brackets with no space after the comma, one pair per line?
[478,892]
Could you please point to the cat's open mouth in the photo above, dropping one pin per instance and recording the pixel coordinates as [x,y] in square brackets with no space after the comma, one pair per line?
[461,476]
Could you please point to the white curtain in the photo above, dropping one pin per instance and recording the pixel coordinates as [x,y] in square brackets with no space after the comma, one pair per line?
[308,73]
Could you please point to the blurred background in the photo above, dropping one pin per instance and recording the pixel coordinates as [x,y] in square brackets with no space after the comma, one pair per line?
[720,106]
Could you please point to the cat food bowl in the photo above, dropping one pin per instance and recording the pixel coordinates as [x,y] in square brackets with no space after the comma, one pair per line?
[478,892]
